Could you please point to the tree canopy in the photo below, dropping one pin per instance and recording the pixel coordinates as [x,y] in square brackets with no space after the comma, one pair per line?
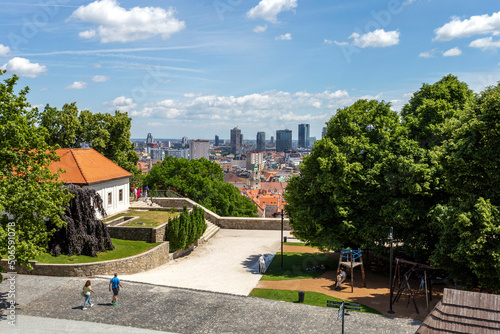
[430,172]
[29,191]
[108,134]
[203,182]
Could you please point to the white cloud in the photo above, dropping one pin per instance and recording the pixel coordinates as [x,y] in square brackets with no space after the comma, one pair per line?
[77,85]
[260,29]
[100,78]
[452,52]
[375,39]
[122,103]
[116,24]
[269,9]
[285,37]
[23,67]
[4,50]
[475,25]
[429,54]
[485,43]
[257,107]
[327,41]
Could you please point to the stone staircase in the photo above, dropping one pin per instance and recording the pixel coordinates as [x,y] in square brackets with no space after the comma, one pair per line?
[140,204]
[211,230]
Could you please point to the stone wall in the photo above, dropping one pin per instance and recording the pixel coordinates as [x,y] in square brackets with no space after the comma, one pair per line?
[145,261]
[227,222]
[148,234]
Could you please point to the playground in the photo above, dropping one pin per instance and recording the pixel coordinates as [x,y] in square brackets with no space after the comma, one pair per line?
[376,294]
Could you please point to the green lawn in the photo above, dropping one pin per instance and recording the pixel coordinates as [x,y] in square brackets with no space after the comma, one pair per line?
[295,264]
[146,218]
[123,248]
[310,298]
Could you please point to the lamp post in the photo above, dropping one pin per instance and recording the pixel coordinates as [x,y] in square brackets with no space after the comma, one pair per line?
[391,238]
[282,238]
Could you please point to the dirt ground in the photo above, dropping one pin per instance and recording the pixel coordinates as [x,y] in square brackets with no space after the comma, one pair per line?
[375,295]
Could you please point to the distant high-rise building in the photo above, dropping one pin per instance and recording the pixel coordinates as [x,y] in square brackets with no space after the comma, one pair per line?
[261,141]
[283,140]
[149,139]
[236,140]
[184,141]
[241,139]
[303,135]
[323,132]
[178,153]
[199,149]
[217,143]
[254,157]
[157,154]
[271,141]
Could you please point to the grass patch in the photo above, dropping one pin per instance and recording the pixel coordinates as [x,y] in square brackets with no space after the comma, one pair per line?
[295,265]
[146,218]
[310,298]
[123,248]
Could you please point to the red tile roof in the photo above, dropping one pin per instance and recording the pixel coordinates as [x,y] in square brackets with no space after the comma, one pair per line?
[86,166]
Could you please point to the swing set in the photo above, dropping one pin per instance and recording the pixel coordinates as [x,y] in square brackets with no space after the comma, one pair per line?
[405,284]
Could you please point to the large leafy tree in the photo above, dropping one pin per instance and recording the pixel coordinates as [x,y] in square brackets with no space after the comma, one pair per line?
[358,181]
[108,134]
[203,182]
[29,191]
[470,221]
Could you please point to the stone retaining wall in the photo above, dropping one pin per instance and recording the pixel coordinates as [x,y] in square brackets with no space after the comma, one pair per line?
[147,234]
[227,222]
[134,264]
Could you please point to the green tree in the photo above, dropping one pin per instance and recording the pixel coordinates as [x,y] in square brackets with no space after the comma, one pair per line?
[469,247]
[63,125]
[29,191]
[203,182]
[350,178]
[108,134]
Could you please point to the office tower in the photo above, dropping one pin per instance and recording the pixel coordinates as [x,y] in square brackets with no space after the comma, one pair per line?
[323,132]
[241,140]
[261,141]
[216,141]
[178,153]
[304,135]
[271,141]
[157,154]
[236,140]
[199,149]
[149,139]
[283,140]
[254,157]
[184,141]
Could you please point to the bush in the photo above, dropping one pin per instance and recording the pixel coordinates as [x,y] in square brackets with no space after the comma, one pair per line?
[184,230]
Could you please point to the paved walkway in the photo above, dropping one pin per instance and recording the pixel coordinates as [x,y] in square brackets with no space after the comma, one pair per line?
[226,263]
[153,307]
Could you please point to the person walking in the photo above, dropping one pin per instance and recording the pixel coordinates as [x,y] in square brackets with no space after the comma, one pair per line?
[146,191]
[87,289]
[262,264]
[115,285]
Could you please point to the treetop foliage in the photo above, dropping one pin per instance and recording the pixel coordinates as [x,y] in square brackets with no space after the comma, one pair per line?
[430,172]
[203,182]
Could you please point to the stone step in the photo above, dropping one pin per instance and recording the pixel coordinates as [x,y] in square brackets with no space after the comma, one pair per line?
[211,230]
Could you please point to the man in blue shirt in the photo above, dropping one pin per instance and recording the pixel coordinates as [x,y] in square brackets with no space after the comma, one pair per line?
[115,284]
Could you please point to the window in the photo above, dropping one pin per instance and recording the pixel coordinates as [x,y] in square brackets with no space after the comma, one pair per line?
[120,195]
[110,199]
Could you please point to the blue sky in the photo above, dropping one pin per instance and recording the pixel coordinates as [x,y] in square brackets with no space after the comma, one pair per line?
[199,68]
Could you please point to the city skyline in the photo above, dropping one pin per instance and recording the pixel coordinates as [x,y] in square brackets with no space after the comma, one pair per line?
[201,67]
